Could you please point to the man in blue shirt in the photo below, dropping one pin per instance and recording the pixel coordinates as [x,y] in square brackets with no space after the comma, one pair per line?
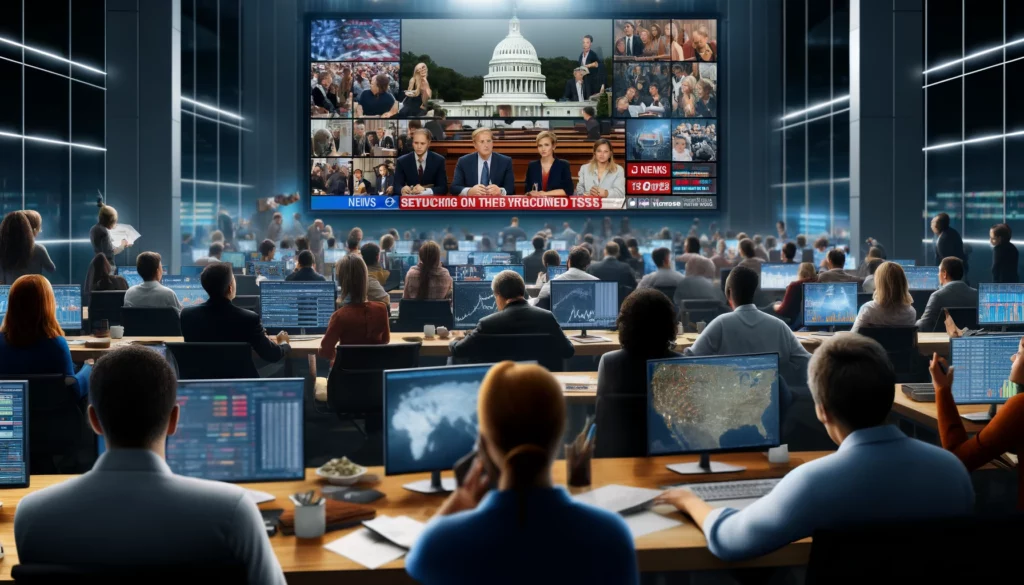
[877,475]
[378,101]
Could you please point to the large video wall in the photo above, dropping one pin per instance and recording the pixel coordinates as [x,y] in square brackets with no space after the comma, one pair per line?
[628,110]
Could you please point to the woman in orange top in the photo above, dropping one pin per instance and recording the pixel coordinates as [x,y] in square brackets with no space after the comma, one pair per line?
[1005,433]
[359,322]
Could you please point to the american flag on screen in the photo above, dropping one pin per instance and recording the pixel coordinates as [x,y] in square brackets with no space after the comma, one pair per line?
[355,40]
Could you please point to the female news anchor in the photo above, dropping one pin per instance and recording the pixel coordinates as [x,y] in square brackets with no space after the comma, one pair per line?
[549,176]
[601,177]
[418,94]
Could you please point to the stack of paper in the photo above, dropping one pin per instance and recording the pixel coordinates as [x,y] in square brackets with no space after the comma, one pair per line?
[384,539]
[630,502]
[577,383]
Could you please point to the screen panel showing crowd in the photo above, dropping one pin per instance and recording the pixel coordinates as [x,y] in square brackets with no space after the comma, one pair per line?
[552,114]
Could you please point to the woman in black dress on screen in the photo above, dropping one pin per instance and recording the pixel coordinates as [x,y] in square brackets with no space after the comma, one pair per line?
[418,94]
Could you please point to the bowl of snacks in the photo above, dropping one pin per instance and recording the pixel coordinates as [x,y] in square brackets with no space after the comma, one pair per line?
[341,471]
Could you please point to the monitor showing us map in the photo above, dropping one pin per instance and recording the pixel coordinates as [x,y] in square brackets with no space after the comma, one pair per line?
[715,403]
[430,418]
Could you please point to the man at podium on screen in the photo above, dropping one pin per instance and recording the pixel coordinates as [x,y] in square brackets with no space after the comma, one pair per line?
[484,172]
[421,172]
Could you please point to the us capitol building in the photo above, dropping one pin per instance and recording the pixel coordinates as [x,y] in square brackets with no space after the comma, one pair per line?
[514,79]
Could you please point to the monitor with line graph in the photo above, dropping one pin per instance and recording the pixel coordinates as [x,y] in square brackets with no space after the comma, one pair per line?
[471,301]
[585,304]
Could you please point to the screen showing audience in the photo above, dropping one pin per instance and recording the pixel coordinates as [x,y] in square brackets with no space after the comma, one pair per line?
[130,274]
[239,430]
[430,418]
[713,403]
[778,276]
[188,289]
[471,301]
[1000,304]
[13,438]
[983,368]
[585,304]
[272,270]
[556,271]
[922,277]
[828,304]
[297,306]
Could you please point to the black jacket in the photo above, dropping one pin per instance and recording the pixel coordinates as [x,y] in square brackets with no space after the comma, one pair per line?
[1004,263]
[621,403]
[614,270]
[518,317]
[217,320]
[532,266]
[949,243]
[304,274]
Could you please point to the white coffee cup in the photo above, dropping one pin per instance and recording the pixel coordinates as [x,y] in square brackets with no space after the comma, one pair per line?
[116,331]
[429,331]
[700,326]
[311,521]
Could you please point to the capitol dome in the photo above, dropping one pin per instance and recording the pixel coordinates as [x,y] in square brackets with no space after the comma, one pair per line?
[514,67]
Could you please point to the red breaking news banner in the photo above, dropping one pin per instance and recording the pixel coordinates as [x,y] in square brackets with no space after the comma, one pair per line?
[648,170]
[500,202]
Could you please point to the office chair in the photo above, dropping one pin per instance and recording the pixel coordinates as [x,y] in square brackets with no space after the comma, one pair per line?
[900,343]
[691,311]
[413,314]
[622,422]
[864,298]
[962,316]
[670,292]
[355,386]
[807,255]
[519,347]
[249,302]
[106,304]
[921,551]
[42,574]
[774,256]
[60,440]
[151,322]
[213,361]
[393,281]
[245,284]
[723,275]
[920,300]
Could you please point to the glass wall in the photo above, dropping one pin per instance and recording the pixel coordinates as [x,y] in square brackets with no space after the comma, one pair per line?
[974,134]
[813,195]
[52,122]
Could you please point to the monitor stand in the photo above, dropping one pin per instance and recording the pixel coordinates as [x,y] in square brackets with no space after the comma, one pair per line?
[981,417]
[434,485]
[705,465]
[830,332]
[583,336]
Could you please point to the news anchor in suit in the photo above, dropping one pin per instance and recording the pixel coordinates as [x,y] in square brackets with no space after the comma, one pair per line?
[557,180]
[576,88]
[409,181]
[384,181]
[484,172]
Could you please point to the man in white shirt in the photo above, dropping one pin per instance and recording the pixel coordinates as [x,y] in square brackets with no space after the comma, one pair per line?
[131,509]
[579,259]
[151,294]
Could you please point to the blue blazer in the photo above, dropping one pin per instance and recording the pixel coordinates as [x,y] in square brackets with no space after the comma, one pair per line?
[434,173]
[466,173]
[560,177]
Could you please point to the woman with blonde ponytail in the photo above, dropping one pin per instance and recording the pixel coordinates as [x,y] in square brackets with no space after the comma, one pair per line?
[526,527]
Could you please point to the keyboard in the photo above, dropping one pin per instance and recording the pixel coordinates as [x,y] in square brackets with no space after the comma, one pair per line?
[920,392]
[304,337]
[732,490]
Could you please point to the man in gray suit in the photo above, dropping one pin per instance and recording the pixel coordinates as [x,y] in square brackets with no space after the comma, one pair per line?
[835,261]
[131,510]
[953,292]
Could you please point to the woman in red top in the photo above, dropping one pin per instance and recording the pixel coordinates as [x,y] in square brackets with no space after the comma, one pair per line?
[792,302]
[359,322]
[1004,433]
[549,176]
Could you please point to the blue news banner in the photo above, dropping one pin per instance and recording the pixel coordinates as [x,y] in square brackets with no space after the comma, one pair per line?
[375,202]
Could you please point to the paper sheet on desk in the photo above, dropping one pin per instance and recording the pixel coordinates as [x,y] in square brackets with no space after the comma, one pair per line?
[577,383]
[401,530]
[366,548]
[617,498]
[123,231]
[647,522]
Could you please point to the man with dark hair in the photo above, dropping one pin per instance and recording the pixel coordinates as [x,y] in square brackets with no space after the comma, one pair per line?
[150,294]
[695,264]
[665,275]
[218,320]
[355,237]
[266,250]
[878,475]
[947,240]
[378,101]
[952,292]
[301,243]
[801,241]
[514,315]
[834,271]
[591,124]
[131,510]
[551,258]
[578,261]
[510,235]
[305,271]
[789,253]
[748,255]
[1004,253]
[213,255]
[371,257]
[614,270]
[534,263]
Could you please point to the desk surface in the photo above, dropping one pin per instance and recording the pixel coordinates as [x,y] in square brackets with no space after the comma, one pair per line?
[926,415]
[307,562]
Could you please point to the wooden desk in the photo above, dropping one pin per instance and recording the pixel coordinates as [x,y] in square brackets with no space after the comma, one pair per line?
[926,414]
[306,562]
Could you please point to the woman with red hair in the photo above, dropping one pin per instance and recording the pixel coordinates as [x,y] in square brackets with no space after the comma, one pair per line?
[31,340]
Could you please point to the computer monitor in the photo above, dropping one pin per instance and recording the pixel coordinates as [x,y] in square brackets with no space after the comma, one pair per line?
[983,368]
[199,253]
[457,257]
[778,276]
[903,262]
[69,306]
[286,256]
[851,262]
[464,272]
[830,304]
[190,270]
[585,304]
[471,301]
[272,270]
[819,257]
[188,289]
[430,421]
[559,245]
[524,247]
[245,430]
[1000,303]
[130,275]
[236,259]
[14,444]
[334,255]
[403,247]
[732,247]
[492,270]
[922,277]
[245,246]
[655,244]
[555,271]
[712,404]
[298,306]
[496,258]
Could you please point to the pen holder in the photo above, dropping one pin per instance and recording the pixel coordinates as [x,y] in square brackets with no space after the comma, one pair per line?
[310,521]
[577,464]
[101,328]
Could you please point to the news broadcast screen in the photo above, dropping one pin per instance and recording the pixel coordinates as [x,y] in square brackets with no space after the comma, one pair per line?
[520,114]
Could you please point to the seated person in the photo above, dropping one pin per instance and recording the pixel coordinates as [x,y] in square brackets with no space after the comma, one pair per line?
[696,264]
[358,322]
[953,292]
[646,325]
[267,250]
[304,271]
[698,288]
[578,261]
[789,250]
[665,275]
[371,256]
[95,519]
[428,280]
[871,261]
[214,254]
[217,320]
[748,256]
[878,474]
[151,294]
[834,272]
[522,418]
[612,269]
[514,315]
[31,340]
[1003,434]
[103,277]
[892,305]
[792,304]
[550,259]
